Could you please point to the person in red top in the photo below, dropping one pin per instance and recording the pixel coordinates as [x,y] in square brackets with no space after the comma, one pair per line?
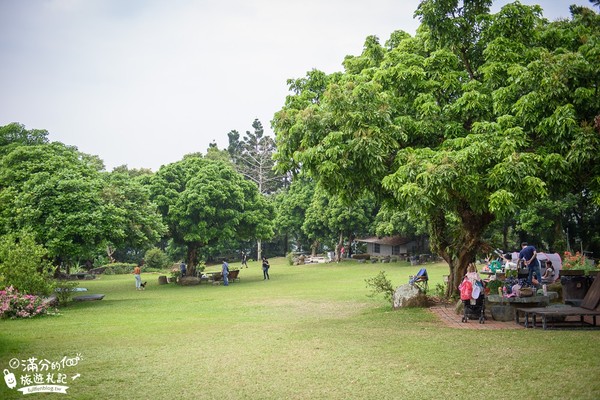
[138,277]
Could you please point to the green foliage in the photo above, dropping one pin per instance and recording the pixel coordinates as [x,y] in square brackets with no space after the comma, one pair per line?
[64,291]
[381,284]
[291,206]
[290,258]
[155,258]
[440,290]
[207,203]
[73,209]
[23,264]
[16,134]
[134,219]
[329,215]
[470,120]
[119,268]
[493,286]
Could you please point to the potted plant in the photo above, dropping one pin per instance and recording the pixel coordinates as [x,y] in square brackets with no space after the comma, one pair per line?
[573,264]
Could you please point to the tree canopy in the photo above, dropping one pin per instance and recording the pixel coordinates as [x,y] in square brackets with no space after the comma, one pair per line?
[475,117]
[206,202]
[69,205]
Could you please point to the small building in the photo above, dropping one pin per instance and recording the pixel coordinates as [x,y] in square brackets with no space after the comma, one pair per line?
[390,246]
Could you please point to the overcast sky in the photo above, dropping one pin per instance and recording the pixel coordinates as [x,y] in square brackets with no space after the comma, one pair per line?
[143,82]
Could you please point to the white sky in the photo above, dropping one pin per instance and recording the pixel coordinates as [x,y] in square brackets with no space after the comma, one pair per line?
[143,82]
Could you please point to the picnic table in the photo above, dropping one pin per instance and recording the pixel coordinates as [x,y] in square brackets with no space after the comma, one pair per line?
[218,275]
[518,302]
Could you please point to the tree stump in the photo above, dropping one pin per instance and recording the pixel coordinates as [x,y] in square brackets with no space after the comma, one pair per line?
[162,280]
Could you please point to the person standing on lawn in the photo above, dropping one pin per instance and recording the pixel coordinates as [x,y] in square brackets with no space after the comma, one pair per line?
[244,259]
[137,273]
[225,272]
[265,268]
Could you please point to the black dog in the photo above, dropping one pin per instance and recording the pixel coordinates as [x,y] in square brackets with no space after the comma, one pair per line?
[143,285]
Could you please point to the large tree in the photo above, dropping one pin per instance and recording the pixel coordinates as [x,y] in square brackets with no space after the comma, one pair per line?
[135,223]
[62,196]
[253,158]
[54,191]
[207,203]
[291,205]
[332,221]
[471,119]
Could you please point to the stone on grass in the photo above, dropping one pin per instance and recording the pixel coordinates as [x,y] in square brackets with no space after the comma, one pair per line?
[404,294]
[189,281]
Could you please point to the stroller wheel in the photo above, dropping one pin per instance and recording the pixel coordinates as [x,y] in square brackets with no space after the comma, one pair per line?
[464,319]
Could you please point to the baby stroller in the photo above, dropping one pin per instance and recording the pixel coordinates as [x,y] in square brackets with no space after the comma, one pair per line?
[473,300]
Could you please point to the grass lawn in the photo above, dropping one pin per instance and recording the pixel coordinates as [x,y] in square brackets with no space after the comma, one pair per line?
[311,332]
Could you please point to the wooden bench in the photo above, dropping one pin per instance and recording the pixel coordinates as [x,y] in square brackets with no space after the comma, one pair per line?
[553,313]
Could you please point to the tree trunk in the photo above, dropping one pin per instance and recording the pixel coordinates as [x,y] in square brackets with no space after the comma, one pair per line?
[460,249]
[313,248]
[338,248]
[192,258]
[286,244]
[259,250]
[110,252]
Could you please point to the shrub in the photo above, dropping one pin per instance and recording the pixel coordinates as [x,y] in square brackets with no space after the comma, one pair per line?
[440,290]
[381,284]
[19,305]
[290,258]
[64,291]
[22,264]
[119,268]
[156,259]
[361,256]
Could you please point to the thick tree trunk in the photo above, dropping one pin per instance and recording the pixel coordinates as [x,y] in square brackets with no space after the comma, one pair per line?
[313,247]
[460,249]
[192,258]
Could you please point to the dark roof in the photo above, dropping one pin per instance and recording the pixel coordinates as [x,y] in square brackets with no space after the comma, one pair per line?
[387,240]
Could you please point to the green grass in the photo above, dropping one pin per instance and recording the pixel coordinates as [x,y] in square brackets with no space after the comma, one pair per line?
[311,332]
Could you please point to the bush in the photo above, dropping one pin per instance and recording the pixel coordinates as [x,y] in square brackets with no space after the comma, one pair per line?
[19,305]
[64,291]
[22,264]
[156,259]
[361,256]
[440,290]
[381,284]
[290,258]
[119,268]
